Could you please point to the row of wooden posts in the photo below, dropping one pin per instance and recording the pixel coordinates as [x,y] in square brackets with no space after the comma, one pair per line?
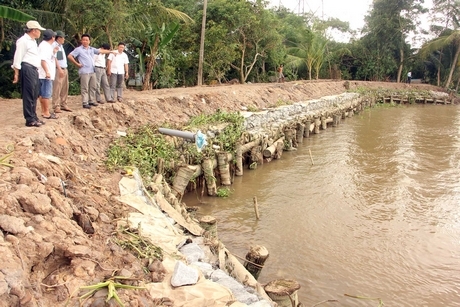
[419,99]
[282,291]
[255,149]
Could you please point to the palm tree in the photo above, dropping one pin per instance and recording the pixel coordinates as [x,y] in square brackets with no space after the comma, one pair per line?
[449,39]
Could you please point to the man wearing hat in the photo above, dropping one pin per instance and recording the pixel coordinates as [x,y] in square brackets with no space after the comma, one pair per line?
[61,81]
[27,60]
[47,71]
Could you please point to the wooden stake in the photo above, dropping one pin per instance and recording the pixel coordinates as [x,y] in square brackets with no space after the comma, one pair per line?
[311,157]
[256,208]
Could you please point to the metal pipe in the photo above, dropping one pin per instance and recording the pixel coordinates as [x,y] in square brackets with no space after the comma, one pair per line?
[183,134]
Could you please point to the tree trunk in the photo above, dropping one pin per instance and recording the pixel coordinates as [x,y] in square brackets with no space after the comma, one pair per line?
[453,66]
[201,57]
[439,69]
[151,63]
[400,68]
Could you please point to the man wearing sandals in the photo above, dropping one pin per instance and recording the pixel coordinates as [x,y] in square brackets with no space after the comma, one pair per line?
[47,71]
[27,60]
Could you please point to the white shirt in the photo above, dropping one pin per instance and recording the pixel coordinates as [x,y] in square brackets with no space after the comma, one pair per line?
[46,53]
[118,62]
[99,60]
[62,63]
[26,51]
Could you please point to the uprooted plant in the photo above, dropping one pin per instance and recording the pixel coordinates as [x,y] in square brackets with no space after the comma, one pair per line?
[131,240]
[112,284]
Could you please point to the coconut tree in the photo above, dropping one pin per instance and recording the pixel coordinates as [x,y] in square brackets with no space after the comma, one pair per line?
[446,24]
[449,38]
[309,51]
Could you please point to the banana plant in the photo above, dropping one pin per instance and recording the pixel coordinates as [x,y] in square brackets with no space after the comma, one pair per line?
[156,38]
[13,14]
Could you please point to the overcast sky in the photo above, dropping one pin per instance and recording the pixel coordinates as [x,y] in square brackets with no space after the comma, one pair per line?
[352,11]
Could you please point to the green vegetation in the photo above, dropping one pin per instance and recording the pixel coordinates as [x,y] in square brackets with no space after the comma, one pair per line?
[228,136]
[146,148]
[143,149]
[223,192]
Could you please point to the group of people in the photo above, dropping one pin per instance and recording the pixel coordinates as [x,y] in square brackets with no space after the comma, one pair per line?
[95,70]
[42,72]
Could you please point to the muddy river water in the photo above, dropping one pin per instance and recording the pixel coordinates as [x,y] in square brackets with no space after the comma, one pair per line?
[376,215]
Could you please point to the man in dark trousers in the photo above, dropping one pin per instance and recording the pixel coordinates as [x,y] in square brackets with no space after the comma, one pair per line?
[27,60]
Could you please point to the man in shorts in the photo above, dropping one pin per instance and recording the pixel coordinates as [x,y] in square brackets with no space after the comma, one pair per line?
[47,71]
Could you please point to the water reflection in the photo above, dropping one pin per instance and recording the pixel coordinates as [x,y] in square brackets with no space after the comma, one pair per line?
[376,215]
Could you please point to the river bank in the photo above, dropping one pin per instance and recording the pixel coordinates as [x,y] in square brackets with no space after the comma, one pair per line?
[60,207]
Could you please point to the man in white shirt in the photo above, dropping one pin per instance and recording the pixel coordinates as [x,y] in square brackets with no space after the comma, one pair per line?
[101,76]
[61,81]
[118,71]
[27,60]
[47,71]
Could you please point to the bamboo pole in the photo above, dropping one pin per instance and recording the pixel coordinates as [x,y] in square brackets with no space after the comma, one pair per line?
[311,157]
[256,209]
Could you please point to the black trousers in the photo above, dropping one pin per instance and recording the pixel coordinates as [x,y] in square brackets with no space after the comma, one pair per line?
[30,88]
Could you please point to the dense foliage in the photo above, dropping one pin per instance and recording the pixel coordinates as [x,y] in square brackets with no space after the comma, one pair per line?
[247,40]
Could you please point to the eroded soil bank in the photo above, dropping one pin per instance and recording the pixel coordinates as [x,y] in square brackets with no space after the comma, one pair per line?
[58,205]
